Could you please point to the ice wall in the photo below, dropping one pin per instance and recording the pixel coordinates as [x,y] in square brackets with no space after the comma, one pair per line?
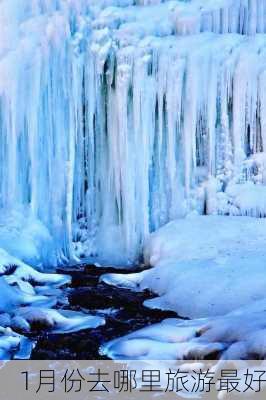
[115,115]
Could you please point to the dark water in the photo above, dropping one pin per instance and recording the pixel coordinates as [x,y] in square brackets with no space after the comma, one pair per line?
[86,293]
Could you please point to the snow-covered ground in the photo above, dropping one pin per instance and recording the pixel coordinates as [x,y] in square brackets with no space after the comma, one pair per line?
[212,270]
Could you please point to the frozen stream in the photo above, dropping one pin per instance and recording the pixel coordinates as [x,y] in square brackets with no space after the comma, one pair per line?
[122,309]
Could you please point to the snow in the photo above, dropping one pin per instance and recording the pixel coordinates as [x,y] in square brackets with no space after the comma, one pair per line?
[231,337]
[28,298]
[234,336]
[118,116]
[206,259]
[246,199]
[169,340]
[60,321]
[212,270]
[26,237]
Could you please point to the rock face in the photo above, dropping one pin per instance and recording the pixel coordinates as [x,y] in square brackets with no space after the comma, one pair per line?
[117,116]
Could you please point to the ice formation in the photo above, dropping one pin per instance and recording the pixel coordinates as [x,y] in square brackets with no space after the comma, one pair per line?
[120,115]
[116,117]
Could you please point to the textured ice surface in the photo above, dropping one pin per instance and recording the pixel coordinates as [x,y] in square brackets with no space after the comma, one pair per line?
[119,116]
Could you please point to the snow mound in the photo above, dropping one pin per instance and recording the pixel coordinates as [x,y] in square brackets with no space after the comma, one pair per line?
[62,321]
[13,345]
[246,199]
[202,265]
[168,340]
[26,237]
[27,302]
[210,269]
[206,237]
[235,336]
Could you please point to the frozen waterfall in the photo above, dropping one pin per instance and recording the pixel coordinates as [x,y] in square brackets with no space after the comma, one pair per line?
[117,116]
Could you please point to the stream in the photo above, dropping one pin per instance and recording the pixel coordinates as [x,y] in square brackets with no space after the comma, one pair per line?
[122,309]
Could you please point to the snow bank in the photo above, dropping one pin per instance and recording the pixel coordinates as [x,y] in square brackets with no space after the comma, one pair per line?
[231,337]
[28,300]
[210,269]
[204,265]
[26,238]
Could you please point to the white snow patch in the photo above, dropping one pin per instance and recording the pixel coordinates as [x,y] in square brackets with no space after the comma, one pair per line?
[26,238]
[236,335]
[246,199]
[208,268]
[62,321]
[27,300]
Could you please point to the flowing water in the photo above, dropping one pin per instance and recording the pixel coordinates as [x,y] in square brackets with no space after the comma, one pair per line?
[123,310]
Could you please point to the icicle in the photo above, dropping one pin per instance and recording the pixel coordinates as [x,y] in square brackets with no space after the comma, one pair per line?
[115,114]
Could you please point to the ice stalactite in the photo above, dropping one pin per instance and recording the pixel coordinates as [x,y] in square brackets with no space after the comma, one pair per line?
[117,116]
[222,16]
